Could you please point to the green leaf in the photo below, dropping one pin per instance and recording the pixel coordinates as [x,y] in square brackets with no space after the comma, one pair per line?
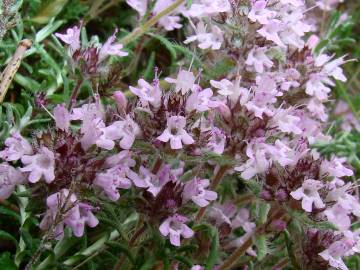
[168,45]
[214,250]
[7,236]
[261,244]
[122,248]
[290,250]
[6,263]
[8,212]
[47,30]
[48,11]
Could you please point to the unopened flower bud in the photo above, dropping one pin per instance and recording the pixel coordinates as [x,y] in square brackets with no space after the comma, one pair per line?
[120,100]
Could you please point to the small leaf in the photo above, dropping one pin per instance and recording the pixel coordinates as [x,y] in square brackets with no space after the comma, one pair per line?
[48,11]
[214,250]
[6,263]
[7,236]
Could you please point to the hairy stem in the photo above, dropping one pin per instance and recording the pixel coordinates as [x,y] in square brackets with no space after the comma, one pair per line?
[132,242]
[139,31]
[74,94]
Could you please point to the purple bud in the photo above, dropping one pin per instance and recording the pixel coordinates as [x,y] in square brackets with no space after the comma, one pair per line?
[120,100]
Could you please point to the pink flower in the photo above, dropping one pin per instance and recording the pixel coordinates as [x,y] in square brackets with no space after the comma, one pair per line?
[121,101]
[76,216]
[109,48]
[271,30]
[262,155]
[16,147]
[337,250]
[335,167]
[339,216]
[309,195]
[40,165]
[72,38]
[206,8]
[197,267]
[222,213]
[259,60]
[286,122]
[343,197]
[113,179]
[260,13]
[201,101]
[125,130]
[9,178]
[139,5]
[171,21]
[184,82]
[315,87]
[175,132]
[242,219]
[212,40]
[217,141]
[195,190]
[175,227]
[147,93]
[62,117]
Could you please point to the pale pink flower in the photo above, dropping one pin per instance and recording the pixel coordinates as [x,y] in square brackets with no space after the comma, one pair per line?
[339,216]
[200,100]
[342,196]
[206,40]
[317,109]
[201,8]
[260,13]
[62,117]
[242,219]
[222,213]
[125,130]
[171,21]
[184,82]
[76,216]
[147,93]
[286,122]
[216,141]
[72,37]
[175,132]
[121,100]
[259,60]
[271,30]
[309,195]
[113,179]
[16,147]
[111,48]
[197,267]
[175,227]
[335,168]
[262,155]
[196,191]
[139,5]
[337,250]
[40,165]
[10,177]
[315,87]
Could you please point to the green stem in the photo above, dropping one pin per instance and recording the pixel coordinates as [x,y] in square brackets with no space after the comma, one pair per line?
[139,31]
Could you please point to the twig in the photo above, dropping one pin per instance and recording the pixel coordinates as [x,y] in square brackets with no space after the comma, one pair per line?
[12,67]
[74,94]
